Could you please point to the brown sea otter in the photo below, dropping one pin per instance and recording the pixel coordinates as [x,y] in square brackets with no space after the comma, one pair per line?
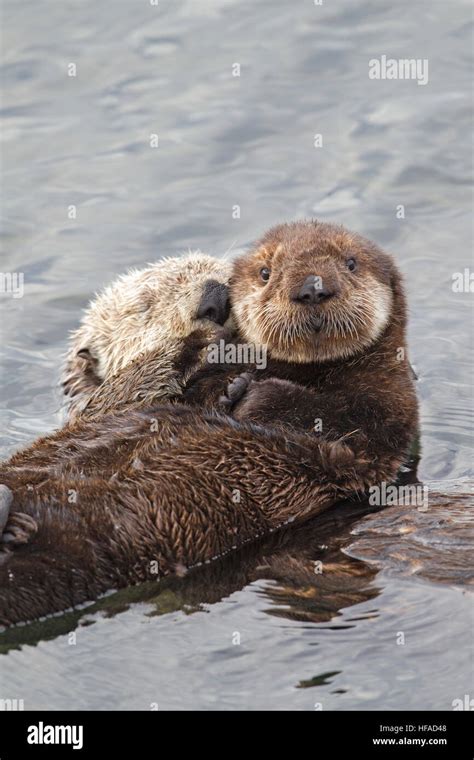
[137,492]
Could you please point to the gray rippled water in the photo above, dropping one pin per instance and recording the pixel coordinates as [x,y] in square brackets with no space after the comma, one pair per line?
[305,640]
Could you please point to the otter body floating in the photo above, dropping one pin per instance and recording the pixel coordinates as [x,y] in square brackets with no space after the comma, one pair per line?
[134,494]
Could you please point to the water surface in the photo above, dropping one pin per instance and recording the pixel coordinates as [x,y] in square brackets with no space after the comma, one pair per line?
[248,141]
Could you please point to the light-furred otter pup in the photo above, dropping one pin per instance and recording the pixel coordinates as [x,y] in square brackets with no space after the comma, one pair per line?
[169,486]
[146,310]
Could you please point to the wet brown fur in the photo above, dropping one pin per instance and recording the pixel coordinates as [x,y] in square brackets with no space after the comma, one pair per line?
[118,496]
[365,394]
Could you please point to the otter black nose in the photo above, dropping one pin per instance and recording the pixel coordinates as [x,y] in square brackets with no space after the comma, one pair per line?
[312,291]
[215,303]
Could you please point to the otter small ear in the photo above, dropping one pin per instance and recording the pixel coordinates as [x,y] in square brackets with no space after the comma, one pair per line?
[84,353]
[396,282]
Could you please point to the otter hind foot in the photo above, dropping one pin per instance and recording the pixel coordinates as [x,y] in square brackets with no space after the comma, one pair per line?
[19,530]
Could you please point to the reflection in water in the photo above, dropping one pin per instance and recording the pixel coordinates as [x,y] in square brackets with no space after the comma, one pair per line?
[322,680]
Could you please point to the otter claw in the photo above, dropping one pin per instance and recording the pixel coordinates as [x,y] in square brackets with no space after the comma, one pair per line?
[236,390]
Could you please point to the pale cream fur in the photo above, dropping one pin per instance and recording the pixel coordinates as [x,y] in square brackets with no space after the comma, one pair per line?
[143,310]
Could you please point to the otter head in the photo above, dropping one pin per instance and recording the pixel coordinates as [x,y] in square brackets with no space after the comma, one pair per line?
[146,310]
[314,292]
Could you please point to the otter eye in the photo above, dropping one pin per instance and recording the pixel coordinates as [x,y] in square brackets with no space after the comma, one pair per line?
[351,264]
[265,274]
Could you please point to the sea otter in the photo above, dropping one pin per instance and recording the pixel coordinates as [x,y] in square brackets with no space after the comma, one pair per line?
[136,492]
[146,310]
[330,309]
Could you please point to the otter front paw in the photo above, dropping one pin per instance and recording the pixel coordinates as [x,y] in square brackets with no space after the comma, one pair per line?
[236,390]
[277,402]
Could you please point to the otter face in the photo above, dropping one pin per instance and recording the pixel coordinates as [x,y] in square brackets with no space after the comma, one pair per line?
[313,292]
[152,309]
